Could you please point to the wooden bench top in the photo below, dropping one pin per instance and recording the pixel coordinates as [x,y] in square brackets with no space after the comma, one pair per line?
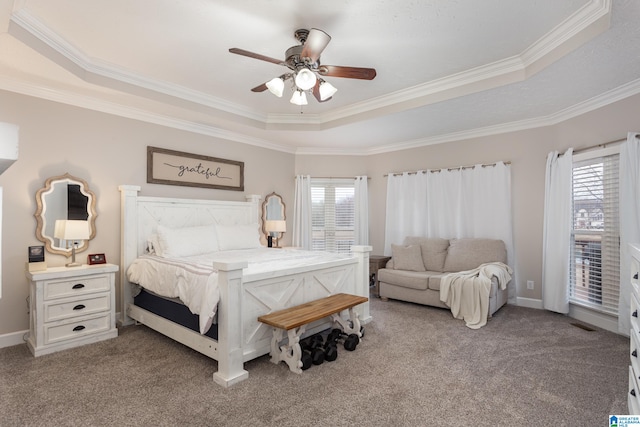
[303,314]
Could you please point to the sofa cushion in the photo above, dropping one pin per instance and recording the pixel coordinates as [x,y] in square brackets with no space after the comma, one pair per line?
[434,251]
[407,258]
[467,254]
[434,281]
[418,280]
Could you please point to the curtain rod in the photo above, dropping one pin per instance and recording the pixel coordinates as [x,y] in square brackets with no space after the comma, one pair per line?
[335,177]
[449,169]
[593,147]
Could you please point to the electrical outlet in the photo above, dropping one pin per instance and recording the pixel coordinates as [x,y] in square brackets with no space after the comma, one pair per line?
[529,284]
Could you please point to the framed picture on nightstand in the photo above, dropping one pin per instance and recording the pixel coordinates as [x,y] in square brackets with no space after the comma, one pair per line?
[36,253]
[96,259]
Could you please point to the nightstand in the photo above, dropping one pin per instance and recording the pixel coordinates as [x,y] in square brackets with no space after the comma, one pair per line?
[70,307]
[376,262]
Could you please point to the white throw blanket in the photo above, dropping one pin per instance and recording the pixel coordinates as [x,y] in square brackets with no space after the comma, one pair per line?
[467,292]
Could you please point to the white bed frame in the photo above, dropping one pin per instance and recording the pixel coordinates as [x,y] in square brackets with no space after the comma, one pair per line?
[242,298]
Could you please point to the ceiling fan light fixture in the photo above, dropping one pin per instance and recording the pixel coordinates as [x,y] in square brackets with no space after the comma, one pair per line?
[276,86]
[327,90]
[305,79]
[298,98]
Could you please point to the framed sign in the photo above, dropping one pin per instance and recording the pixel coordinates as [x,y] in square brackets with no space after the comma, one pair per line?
[36,253]
[193,170]
[96,259]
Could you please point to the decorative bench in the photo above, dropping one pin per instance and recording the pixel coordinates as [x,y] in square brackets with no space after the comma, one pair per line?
[295,319]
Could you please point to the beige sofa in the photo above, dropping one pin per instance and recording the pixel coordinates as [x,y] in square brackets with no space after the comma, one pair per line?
[414,272]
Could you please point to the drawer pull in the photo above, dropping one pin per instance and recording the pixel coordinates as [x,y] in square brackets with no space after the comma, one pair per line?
[634,314]
[80,327]
[78,286]
[79,307]
[632,392]
[634,353]
[635,276]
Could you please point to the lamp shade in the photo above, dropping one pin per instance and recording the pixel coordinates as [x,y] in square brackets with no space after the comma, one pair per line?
[326,90]
[276,86]
[298,98]
[277,226]
[305,79]
[71,230]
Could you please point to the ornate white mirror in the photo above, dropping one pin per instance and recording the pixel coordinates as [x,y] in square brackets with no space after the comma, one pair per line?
[64,198]
[273,216]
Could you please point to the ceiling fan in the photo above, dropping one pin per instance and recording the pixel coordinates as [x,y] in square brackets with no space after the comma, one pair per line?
[306,71]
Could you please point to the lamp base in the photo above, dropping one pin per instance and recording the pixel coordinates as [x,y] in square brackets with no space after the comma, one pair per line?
[73,264]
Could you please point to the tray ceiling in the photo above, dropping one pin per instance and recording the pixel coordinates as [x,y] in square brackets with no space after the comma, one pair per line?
[446,70]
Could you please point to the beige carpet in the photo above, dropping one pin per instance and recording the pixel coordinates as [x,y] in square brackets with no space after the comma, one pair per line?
[417,366]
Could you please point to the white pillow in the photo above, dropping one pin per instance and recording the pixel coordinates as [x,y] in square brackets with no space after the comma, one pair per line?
[238,237]
[187,241]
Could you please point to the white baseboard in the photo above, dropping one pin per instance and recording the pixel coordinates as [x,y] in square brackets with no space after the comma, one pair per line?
[529,303]
[604,321]
[14,338]
[601,320]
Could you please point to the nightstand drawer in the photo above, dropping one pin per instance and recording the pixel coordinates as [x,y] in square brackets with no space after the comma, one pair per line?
[78,286]
[77,329]
[76,307]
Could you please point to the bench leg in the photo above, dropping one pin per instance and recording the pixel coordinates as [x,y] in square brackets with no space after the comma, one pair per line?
[290,353]
[350,326]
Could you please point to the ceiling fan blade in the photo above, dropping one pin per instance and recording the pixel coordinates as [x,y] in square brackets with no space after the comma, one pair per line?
[260,88]
[255,56]
[317,40]
[347,72]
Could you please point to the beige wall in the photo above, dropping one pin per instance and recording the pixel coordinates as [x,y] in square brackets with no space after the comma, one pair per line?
[107,151]
[526,150]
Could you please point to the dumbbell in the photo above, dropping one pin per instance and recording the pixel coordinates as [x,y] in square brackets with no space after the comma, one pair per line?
[330,350]
[351,341]
[312,351]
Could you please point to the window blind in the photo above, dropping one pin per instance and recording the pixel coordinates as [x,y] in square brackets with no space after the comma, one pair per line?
[332,215]
[595,247]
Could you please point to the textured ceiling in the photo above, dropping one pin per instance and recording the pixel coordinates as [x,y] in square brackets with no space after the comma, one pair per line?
[445,69]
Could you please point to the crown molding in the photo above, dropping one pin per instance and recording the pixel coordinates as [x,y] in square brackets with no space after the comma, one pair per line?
[625,91]
[95,104]
[585,23]
[590,20]
[108,75]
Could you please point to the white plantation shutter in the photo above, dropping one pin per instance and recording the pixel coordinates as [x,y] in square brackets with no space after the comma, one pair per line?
[333,215]
[595,246]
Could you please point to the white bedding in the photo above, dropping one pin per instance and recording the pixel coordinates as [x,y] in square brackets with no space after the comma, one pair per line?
[195,282]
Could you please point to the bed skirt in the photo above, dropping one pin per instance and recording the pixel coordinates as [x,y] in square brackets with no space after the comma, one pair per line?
[172,310]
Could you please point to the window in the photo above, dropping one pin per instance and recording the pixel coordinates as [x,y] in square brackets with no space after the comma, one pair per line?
[333,215]
[595,246]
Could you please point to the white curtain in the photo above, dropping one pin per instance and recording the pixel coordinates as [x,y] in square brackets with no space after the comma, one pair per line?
[629,221]
[556,237]
[301,236]
[361,208]
[457,203]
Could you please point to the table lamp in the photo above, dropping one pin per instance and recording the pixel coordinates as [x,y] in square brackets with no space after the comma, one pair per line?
[71,231]
[274,227]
